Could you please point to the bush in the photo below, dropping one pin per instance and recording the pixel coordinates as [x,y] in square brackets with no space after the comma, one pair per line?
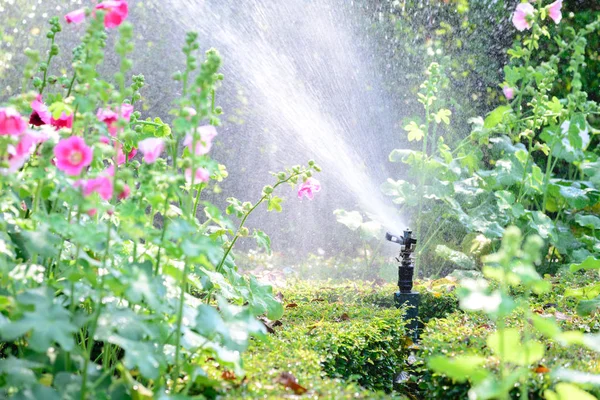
[332,342]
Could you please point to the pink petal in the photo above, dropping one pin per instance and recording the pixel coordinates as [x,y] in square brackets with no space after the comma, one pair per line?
[75,17]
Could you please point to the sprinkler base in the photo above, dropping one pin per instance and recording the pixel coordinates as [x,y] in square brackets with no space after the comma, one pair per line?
[411,302]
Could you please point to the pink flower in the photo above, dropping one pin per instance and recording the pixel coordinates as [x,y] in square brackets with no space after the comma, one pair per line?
[509,92]
[202,175]
[116,12]
[131,154]
[72,155]
[104,139]
[204,142]
[309,188]
[124,193]
[522,15]
[102,185]
[19,153]
[151,149]
[11,122]
[110,117]
[65,121]
[40,114]
[554,11]
[75,17]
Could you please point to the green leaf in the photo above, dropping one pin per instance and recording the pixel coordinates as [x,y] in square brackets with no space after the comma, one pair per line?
[588,221]
[460,368]
[567,391]
[415,132]
[144,356]
[57,108]
[442,115]
[263,240]
[275,204]
[371,230]
[456,257]
[19,371]
[351,219]
[588,307]
[507,344]
[588,263]
[48,323]
[495,117]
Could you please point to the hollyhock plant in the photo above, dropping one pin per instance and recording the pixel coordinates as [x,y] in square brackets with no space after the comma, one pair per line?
[151,149]
[11,122]
[124,193]
[64,121]
[72,155]
[204,142]
[116,12]
[110,117]
[554,11]
[201,176]
[522,16]
[309,188]
[509,92]
[40,114]
[75,17]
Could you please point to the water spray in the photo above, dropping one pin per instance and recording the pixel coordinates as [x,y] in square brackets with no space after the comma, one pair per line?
[406,296]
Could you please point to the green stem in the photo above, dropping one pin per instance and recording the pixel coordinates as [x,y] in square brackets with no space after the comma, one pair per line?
[421,186]
[179,323]
[162,238]
[44,82]
[71,84]
[547,181]
[241,225]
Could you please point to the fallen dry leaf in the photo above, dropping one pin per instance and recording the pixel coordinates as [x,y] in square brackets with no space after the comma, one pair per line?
[279,297]
[289,381]
[291,305]
[540,369]
[228,375]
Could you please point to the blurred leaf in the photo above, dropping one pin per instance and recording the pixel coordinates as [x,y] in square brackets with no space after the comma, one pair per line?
[352,219]
[460,368]
[495,117]
[263,240]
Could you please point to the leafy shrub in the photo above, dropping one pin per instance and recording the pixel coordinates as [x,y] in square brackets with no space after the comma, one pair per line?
[327,332]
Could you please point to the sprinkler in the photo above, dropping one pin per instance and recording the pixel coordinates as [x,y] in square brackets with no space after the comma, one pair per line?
[406,296]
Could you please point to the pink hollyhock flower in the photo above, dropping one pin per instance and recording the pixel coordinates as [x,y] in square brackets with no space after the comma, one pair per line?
[554,11]
[204,142]
[75,17]
[72,155]
[151,149]
[202,175]
[509,92]
[65,121]
[92,212]
[522,15]
[309,188]
[102,185]
[19,153]
[104,139]
[131,154]
[110,117]
[40,114]
[124,193]
[11,122]
[116,12]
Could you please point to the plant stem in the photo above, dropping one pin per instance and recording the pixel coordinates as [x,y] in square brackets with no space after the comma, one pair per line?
[421,186]
[241,225]
[179,322]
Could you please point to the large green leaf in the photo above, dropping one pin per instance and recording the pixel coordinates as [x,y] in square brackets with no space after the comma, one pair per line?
[47,324]
[460,368]
[496,116]
[508,346]
[456,257]
[352,219]
[589,263]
